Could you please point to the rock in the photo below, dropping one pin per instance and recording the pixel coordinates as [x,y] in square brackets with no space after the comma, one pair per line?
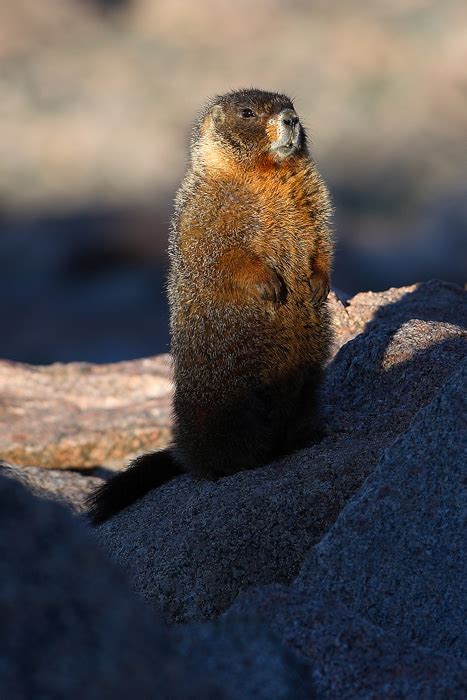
[414,339]
[396,554]
[350,657]
[430,301]
[243,656]
[68,487]
[71,628]
[374,510]
[81,415]
[342,327]
[191,547]
[378,381]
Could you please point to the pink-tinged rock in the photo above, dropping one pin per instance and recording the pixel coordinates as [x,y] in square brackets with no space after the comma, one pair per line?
[83,415]
[429,301]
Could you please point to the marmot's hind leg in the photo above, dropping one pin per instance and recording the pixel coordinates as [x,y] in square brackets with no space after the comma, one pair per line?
[219,441]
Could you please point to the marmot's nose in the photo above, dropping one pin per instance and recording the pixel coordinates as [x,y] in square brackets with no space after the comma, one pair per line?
[288,117]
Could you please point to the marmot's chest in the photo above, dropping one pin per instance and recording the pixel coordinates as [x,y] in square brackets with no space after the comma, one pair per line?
[284,223]
[286,239]
[275,223]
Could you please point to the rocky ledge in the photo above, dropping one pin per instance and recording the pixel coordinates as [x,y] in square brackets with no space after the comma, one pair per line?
[338,571]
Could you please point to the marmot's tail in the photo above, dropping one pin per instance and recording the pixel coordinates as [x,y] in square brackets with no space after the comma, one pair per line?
[147,472]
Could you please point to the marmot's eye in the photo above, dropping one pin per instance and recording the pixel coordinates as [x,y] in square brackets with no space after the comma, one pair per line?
[247,113]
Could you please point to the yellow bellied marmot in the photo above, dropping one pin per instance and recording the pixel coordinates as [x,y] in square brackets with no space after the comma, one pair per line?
[250,251]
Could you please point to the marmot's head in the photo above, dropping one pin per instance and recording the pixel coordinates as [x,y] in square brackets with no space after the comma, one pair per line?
[249,125]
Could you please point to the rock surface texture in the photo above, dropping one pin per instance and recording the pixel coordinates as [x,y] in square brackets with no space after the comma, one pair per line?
[390,574]
[396,554]
[337,572]
[191,547]
[350,657]
[79,415]
[72,629]
[65,486]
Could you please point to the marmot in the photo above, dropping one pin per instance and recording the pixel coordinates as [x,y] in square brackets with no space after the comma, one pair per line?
[250,257]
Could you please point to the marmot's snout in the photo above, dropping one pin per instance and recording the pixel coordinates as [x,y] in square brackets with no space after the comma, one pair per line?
[288,129]
[289,118]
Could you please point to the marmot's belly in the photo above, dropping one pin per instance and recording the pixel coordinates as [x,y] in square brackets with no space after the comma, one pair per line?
[229,348]
[298,338]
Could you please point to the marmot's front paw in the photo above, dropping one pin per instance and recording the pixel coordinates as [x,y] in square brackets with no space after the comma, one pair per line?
[272,289]
[320,287]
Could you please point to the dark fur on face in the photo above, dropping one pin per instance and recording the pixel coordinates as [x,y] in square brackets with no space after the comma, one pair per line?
[248,122]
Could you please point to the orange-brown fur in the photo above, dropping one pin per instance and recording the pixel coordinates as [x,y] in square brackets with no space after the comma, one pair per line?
[251,255]
[250,251]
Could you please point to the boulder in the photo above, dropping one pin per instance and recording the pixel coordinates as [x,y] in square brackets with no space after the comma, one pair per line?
[349,656]
[71,628]
[246,659]
[190,547]
[365,525]
[430,301]
[83,415]
[395,557]
[63,485]
[396,554]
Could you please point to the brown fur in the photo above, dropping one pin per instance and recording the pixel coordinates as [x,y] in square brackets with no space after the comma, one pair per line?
[251,255]
[250,251]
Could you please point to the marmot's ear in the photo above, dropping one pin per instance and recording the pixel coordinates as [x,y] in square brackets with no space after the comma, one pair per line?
[217,114]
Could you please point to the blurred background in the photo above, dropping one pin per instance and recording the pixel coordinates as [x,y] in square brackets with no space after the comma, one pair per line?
[96,102]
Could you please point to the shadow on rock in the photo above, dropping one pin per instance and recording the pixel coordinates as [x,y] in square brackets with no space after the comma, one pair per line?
[379,607]
[71,628]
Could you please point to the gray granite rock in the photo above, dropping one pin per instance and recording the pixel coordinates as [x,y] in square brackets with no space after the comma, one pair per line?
[62,485]
[245,657]
[71,628]
[350,657]
[379,380]
[396,554]
[191,547]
